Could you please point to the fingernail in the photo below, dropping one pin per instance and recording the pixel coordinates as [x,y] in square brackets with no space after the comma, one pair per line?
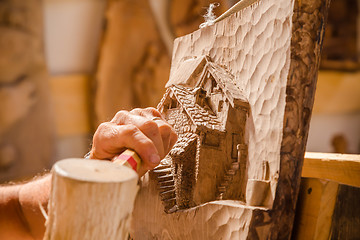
[155,158]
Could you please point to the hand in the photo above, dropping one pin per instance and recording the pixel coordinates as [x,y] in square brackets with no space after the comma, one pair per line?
[143,130]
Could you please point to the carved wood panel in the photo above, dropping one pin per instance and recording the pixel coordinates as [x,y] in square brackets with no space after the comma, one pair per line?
[272,49]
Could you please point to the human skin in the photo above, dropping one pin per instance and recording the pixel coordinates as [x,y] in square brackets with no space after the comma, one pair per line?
[143,130]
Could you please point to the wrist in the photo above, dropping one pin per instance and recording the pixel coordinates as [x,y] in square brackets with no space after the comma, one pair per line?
[12,220]
[33,196]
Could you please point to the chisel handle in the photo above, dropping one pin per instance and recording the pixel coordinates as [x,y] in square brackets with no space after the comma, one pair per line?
[128,158]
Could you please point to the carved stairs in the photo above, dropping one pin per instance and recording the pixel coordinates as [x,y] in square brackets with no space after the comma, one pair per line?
[229,174]
[166,185]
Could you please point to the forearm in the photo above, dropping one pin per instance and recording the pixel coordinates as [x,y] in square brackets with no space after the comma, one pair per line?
[20,214]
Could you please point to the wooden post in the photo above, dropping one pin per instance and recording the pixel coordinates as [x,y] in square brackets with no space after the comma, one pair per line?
[90,199]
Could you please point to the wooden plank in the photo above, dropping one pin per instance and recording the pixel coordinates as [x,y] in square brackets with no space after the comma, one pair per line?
[337,92]
[341,168]
[70,95]
[314,209]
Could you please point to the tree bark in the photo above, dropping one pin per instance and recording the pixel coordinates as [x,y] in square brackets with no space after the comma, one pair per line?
[309,21]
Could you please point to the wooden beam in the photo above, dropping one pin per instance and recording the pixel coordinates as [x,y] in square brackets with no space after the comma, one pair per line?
[341,168]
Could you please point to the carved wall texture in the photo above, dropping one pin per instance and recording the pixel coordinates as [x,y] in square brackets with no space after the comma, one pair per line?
[256,50]
[295,92]
[26,130]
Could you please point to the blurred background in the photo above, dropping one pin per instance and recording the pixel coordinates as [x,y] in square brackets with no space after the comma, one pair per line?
[67,65]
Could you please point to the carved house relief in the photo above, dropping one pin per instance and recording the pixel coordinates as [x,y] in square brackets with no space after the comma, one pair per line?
[256,49]
[209,113]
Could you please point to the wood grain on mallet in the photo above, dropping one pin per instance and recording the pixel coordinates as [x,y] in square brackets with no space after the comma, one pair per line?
[90,199]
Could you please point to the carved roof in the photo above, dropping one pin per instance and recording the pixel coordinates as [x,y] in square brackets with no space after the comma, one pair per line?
[183,142]
[226,82]
[192,72]
[201,117]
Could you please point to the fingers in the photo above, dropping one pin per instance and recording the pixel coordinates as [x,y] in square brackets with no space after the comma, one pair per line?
[163,136]
[149,112]
[143,130]
[168,135]
[111,139]
[145,125]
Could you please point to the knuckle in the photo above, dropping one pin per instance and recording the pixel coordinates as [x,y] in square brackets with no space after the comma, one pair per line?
[121,114]
[149,126]
[129,130]
[102,129]
[153,111]
[104,133]
[103,126]
[121,117]
[137,111]
[165,129]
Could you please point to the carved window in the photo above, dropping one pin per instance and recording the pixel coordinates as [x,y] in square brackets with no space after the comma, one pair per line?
[173,103]
[212,140]
[236,139]
[200,97]
[220,105]
[208,85]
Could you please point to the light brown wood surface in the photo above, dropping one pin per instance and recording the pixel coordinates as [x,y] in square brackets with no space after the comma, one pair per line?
[90,199]
[341,168]
[253,45]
